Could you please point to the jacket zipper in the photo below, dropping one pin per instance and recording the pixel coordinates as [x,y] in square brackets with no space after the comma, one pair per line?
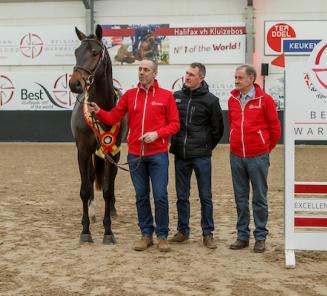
[145,102]
[242,129]
[191,116]
[186,121]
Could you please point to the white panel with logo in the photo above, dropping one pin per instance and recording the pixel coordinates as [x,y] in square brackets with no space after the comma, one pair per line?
[42,91]
[305,119]
[46,45]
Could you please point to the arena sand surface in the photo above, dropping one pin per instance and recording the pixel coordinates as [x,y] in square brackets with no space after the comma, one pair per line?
[40,214]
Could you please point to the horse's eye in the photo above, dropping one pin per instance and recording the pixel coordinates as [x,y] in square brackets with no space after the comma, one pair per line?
[94,52]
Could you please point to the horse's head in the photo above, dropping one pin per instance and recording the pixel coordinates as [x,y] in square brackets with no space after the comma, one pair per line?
[90,58]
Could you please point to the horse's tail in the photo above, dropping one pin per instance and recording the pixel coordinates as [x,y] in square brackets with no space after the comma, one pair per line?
[99,172]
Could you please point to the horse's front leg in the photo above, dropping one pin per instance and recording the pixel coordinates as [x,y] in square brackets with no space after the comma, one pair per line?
[86,193]
[109,198]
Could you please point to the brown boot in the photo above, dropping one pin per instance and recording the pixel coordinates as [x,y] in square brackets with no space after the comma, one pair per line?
[178,238]
[259,246]
[209,241]
[239,244]
[163,244]
[145,242]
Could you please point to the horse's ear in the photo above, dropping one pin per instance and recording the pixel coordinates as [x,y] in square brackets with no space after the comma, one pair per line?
[98,32]
[80,34]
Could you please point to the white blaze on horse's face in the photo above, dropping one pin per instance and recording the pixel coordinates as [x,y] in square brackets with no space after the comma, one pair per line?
[147,73]
[193,78]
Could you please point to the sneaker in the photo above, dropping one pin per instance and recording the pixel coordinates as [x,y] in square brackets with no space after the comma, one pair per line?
[145,242]
[209,241]
[178,238]
[163,245]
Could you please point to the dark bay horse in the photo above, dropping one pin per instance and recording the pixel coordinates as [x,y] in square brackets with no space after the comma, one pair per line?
[92,78]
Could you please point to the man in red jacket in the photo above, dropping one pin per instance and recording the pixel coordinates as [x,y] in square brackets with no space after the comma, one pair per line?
[254,132]
[152,118]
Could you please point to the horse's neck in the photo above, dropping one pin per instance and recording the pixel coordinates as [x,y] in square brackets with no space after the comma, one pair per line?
[103,93]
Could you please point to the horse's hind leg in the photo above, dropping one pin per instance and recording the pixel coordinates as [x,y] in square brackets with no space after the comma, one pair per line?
[86,193]
[109,198]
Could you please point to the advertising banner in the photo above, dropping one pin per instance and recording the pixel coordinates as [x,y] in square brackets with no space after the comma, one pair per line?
[274,86]
[220,80]
[44,45]
[293,37]
[218,43]
[40,91]
[49,91]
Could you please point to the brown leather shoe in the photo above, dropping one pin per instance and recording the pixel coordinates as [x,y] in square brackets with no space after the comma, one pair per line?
[209,241]
[145,242]
[163,245]
[259,246]
[178,238]
[239,244]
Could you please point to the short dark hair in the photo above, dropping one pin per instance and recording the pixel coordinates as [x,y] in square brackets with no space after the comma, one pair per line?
[201,67]
[155,63]
[249,70]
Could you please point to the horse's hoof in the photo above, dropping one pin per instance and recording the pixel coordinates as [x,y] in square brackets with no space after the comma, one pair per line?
[86,238]
[109,239]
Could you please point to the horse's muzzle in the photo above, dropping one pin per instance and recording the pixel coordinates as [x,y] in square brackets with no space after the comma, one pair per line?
[76,86]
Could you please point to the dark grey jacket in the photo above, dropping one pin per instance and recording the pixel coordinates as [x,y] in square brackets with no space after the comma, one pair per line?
[201,123]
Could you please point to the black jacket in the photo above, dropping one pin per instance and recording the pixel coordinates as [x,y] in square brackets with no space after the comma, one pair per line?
[201,123]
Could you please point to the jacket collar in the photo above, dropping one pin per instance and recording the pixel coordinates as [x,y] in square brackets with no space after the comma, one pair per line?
[202,89]
[153,87]
[258,92]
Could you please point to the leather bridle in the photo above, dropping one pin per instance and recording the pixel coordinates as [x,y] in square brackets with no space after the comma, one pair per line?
[90,79]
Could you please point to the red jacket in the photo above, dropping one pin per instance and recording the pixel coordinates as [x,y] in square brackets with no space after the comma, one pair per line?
[148,110]
[255,129]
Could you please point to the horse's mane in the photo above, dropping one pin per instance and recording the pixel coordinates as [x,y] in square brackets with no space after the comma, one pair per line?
[91,36]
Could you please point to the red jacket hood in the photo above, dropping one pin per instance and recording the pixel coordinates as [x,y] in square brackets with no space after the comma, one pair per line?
[152,87]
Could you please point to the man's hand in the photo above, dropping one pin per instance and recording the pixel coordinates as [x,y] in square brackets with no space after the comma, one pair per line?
[149,137]
[93,107]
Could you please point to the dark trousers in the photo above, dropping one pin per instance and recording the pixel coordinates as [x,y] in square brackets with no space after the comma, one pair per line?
[154,168]
[183,173]
[244,171]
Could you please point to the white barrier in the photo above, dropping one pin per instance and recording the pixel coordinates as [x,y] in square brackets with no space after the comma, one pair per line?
[305,119]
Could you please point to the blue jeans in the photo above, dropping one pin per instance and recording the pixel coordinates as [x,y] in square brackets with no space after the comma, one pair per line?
[154,168]
[183,172]
[244,171]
